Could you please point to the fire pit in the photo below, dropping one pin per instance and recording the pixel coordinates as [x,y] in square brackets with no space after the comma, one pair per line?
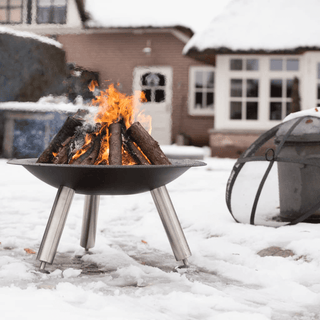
[95,180]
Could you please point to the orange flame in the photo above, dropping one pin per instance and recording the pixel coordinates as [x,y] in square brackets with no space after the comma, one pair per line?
[113,107]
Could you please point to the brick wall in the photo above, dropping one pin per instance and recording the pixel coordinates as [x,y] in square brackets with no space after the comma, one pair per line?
[115,55]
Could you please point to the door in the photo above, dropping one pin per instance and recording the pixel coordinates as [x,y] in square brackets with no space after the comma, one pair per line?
[156,83]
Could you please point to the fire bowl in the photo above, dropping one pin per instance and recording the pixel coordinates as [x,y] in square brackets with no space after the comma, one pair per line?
[107,180]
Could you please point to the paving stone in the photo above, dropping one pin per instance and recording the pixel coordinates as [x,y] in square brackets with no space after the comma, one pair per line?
[275,252]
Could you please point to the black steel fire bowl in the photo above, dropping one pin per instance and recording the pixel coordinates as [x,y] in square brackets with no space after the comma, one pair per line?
[107,180]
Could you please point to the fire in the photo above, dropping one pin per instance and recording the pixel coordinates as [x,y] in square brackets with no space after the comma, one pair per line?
[114,106]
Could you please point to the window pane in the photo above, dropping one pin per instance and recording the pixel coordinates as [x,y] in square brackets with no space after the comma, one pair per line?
[43,15]
[289,87]
[210,79]
[276,64]
[252,64]
[292,64]
[252,110]
[151,80]
[276,88]
[318,70]
[16,15]
[162,78]
[60,2]
[236,88]
[275,110]
[147,94]
[59,15]
[236,64]
[198,101]
[252,88]
[44,3]
[199,79]
[3,3]
[210,100]
[235,110]
[318,91]
[159,95]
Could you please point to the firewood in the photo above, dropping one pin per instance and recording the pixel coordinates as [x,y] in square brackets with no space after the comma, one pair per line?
[62,156]
[132,149]
[91,153]
[147,144]
[94,152]
[66,131]
[115,142]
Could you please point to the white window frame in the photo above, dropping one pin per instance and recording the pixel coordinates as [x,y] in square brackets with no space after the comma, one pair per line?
[192,90]
[264,75]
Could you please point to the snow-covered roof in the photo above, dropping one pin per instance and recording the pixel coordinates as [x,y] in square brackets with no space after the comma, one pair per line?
[267,25]
[145,13]
[25,34]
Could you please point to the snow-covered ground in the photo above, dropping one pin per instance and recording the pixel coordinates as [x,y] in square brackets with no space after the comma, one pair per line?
[129,273]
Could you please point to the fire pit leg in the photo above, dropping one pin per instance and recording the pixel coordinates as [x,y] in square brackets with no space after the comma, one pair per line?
[171,224]
[89,222]
[55,225]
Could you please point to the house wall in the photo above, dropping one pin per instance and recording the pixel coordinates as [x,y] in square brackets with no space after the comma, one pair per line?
[115,55]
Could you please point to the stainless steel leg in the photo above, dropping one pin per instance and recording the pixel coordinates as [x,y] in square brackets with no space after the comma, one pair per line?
[55,225]
[171,224]
[89,222]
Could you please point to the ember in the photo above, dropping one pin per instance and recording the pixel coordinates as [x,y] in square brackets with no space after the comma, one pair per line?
[112,138]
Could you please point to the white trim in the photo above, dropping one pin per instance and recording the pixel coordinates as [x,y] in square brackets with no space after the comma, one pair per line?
[191,93]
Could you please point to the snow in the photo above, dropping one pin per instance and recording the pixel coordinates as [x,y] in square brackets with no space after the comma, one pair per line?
[143,13]
[266,25]
[47,104]
[26,34]
[313,112]
[227,278]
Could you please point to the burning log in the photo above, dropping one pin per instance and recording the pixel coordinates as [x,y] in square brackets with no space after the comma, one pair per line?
[147,144]
[115,144]
[66,131]
[62,156]
[91,152]
[132,149]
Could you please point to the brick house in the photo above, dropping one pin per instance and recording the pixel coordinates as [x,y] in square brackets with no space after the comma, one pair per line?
[258,49]
[179,89]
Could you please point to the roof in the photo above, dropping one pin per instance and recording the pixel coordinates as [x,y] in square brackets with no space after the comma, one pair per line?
[264,25]
[145,13]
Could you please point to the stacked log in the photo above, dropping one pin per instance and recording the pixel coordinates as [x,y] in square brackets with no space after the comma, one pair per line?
[135,141]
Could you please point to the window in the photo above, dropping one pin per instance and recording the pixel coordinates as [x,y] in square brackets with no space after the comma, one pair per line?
[244,94]
[244,64]
[11,11]
[201,100]
[280,98]
[51,11]
[284,64]
[153,86]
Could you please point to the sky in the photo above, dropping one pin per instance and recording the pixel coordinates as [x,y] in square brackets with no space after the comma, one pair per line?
[193,14]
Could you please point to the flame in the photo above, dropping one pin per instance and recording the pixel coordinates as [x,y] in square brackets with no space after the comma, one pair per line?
[114,106]
[92,85]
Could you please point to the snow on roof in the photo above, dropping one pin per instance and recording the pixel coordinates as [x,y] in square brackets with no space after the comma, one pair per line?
[31,35]
[262,25]
[145,13]
[46,104]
